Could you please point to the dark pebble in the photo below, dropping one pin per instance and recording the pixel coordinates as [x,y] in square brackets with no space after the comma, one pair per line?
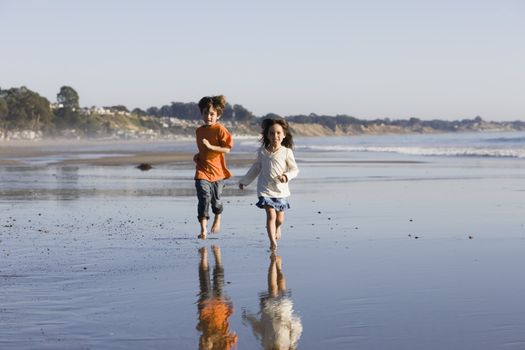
[144,166]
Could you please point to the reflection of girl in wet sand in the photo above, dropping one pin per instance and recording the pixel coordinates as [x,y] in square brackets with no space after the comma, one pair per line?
[214,307]
[278,327]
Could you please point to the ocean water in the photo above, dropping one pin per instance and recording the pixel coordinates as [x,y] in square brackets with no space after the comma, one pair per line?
[496,145]
[486,144]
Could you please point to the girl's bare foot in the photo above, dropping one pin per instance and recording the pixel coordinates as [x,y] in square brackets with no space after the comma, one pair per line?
[273,246]
[202,235]
[216,227]
[278,233]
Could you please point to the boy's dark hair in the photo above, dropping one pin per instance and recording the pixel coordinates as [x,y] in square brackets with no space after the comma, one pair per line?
[217,102]
[267,124]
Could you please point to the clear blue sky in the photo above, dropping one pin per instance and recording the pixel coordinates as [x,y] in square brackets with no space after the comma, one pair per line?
[447,59]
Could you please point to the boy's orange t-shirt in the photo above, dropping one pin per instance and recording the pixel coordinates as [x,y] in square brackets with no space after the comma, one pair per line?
[211,165]
[213,322]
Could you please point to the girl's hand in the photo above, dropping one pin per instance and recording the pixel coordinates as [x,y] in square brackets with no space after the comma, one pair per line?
[241,186]
[282,178]
[196,157]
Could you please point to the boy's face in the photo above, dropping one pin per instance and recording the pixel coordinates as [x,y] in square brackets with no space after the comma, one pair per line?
[210,116]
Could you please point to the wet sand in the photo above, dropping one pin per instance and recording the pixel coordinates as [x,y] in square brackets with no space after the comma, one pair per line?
[107,154]
[375,254]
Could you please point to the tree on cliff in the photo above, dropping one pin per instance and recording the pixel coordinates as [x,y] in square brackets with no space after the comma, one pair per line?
[3,112]
[139,112]
[190,111]
[25,109]
[241,114]
[68,98]
[67,115]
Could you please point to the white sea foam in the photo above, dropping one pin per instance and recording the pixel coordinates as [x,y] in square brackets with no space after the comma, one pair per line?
[423,151]
[495,145]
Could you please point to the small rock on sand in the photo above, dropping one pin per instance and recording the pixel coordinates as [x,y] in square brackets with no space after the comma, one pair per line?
[144,166]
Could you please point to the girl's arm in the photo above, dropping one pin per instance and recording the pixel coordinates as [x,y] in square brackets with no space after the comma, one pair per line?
[292,170]
[252,173]
[254,322]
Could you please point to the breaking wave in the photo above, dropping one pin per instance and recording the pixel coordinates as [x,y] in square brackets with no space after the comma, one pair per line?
[422,151]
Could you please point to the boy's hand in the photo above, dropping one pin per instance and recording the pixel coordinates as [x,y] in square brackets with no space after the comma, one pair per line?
[211,147]
[241,186]
[196,157]
[207,143]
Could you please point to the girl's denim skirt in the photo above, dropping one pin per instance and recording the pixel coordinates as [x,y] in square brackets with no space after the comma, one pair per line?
[279,204]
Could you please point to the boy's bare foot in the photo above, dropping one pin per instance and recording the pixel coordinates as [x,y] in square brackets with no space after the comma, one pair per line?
[278,262]
[216,227]
[204,258]
[217,254]
[273,246]
[203,222]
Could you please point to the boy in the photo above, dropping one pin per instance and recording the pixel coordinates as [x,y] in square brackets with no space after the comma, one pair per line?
[213,141]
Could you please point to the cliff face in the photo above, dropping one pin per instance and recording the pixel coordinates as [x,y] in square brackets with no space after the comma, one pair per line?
[339,130]
[318,129]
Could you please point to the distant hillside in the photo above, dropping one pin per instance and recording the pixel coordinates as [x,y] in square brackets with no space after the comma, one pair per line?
[314,125]
[24,114]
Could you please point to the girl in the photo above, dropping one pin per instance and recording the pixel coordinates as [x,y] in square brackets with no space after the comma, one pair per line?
[275,165]
[276,325]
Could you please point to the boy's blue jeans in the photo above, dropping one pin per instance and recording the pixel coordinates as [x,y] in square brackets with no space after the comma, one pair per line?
[209,193]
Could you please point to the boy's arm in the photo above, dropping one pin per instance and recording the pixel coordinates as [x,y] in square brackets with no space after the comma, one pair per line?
[215,148]
[224,139]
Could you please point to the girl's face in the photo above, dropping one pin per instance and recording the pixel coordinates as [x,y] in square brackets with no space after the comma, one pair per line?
[210,116]
[276,135]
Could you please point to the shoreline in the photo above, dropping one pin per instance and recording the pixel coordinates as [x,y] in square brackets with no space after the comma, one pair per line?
[160,158]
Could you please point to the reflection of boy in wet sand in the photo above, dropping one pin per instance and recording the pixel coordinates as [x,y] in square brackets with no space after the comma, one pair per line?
[278,327]
[214,307]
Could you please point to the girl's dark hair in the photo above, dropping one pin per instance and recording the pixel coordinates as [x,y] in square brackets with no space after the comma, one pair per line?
[217,102]
[268,123]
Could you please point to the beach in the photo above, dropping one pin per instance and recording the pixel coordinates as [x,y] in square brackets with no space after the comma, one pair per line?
[380,250]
